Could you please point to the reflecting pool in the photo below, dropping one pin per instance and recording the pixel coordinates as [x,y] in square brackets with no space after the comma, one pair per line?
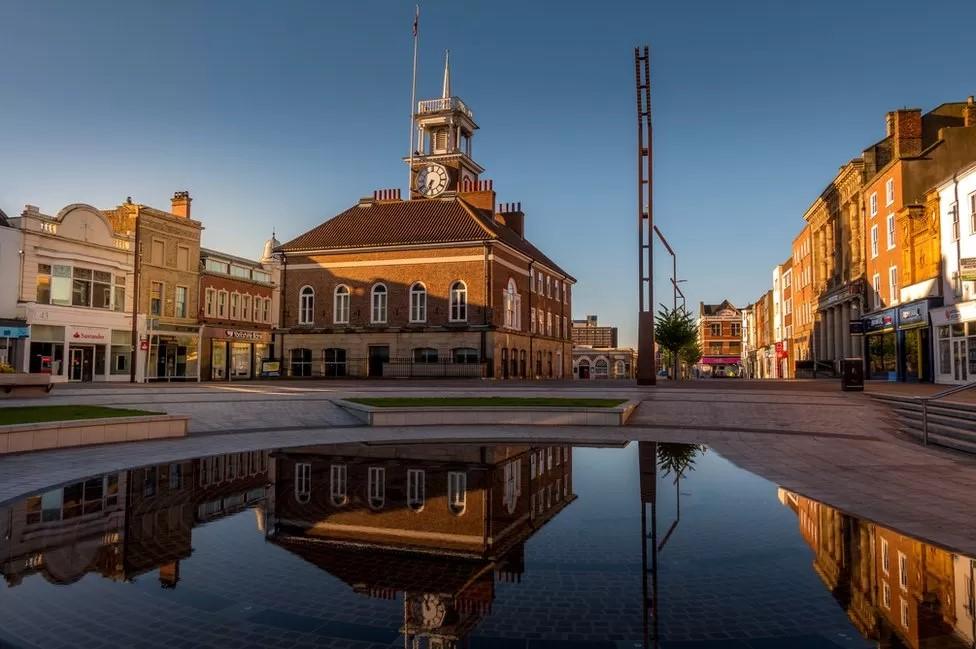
[474,545]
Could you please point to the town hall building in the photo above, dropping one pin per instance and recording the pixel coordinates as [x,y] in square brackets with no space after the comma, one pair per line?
[443,283]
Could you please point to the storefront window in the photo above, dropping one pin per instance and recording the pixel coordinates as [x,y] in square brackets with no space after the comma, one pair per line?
[240,360]
[43,284]
[335,362]
[61,285]
[119,298]
[218,360]
[173,358]
[81,287]
[301,362]
[945,357]
[881,352]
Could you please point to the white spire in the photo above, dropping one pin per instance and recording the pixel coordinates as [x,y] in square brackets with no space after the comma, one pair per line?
[446,89]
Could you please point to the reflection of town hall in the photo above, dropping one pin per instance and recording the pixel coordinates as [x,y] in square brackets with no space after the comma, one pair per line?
[443,283]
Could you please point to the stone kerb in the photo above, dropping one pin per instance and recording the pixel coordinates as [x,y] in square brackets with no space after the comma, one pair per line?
[21,438]
[490,415]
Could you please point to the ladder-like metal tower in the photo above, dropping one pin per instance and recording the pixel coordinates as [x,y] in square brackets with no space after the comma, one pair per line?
[646,370]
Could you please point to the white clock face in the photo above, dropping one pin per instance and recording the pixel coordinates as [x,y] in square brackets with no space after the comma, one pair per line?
[431,180]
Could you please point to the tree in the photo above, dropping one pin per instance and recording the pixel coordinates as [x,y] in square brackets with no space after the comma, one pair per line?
[674,329]
[691,353]
[677,458]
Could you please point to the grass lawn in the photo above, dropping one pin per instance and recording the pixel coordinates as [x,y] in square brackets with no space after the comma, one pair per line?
[422,402]
[35,414]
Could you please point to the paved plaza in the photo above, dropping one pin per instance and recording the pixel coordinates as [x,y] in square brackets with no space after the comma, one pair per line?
[840,448]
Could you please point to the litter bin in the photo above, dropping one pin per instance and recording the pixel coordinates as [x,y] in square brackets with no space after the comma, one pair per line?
[852,374]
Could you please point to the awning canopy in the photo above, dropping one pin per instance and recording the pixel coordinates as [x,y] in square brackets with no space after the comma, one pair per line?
[720,360]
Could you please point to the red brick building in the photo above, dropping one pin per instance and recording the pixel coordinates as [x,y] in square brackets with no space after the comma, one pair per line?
[236,310]
[720,337]
[442,284]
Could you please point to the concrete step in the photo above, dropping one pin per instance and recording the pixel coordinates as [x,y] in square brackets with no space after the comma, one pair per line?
[942,427]
[943,440]
[964,418]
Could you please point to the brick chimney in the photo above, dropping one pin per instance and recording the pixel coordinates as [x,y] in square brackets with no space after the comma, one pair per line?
[479,193]
[512,216]
[181,204]
[969,112]
[906,132]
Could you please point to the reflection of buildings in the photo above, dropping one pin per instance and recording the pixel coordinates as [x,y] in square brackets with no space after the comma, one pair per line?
[438,524]
[898,591]
[125,524]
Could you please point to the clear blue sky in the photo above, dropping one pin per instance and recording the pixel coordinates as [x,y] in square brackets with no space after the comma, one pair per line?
[281,114]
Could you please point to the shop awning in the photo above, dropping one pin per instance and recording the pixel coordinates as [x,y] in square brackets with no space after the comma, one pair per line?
[720,360]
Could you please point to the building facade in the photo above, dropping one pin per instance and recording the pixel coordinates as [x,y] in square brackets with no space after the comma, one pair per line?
[720,337]
[918,152]
[75,295]
[589,332]
[13,330]
[167,287]
[765,344]
[604,362]
[836,268]
[237,314]
[803,304]
[442,284]
[954,325]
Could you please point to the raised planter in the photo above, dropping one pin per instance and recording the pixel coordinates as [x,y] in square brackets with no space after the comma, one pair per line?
[490,415]
[18,386]
[20,438]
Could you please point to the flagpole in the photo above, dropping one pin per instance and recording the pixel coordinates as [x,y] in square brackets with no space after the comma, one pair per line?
[413,95]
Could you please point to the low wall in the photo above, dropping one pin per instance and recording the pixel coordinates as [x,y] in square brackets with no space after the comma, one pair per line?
[21,386]
[491,415]
[20,438]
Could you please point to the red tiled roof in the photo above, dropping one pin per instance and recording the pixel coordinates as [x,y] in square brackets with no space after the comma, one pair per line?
[412,222]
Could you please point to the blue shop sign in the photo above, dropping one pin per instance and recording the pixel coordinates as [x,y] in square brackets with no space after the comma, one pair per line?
[14,332]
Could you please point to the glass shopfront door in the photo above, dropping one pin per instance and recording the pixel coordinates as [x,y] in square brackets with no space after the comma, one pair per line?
[240,360]
[81,363]
[960,361]
[218,360]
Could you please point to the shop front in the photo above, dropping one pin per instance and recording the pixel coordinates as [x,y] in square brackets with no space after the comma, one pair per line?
[13,338]
[173,353]
[914,341]
[79,354]
[881,345]
[234,354]
[955,343]
[721,366]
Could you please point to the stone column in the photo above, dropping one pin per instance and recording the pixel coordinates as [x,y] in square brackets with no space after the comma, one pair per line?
[839,334]
[829,334]
[846,330]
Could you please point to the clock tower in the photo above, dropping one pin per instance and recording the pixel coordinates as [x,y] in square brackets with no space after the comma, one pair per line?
[442,160]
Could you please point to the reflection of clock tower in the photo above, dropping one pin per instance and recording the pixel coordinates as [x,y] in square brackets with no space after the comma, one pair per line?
[442,160]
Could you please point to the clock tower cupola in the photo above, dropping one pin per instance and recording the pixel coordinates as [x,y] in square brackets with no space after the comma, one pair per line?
[442,161]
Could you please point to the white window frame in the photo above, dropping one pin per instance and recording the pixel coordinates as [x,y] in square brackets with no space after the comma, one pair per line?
[340,304]
[379,297]
[890,228]
[954,220]
[873,203]
[418,303]
[376,487]
[210,302]
[890,191]
[893,296]
[902,571]
[905,622]
[874,241]
[876,285]
[458,301]
[512,303]
[886,596]
[303,482]
[885,557]
[338,484]
[416,489]
[306,305]
[457,492]
[972,213]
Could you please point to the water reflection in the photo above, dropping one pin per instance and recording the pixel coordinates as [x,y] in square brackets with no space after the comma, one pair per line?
[897,590]
[435,525]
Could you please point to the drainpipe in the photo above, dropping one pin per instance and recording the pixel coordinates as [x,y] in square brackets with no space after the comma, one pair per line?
[529,363]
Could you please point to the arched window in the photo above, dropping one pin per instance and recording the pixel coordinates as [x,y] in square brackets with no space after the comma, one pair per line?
[465,355]
[301,362]
[512,302]
[583,368]
[306,305]
[619,370]
[378,311]
[337,484]
[515,363]
[418,303]
[424,355]
[601,368]
[340,306]
[457,491]
[377,487]
[416,489]
[459,302]
[303,482]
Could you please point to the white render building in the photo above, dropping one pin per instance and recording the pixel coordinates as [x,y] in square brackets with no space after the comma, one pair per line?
[75,294]
[955,323]
[13,331]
